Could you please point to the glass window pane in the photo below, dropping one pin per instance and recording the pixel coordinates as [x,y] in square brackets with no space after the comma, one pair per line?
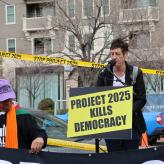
[10,9]
[71,8]
[139,39]
[153,3]
[71,42]
[128,4]
[142,3]
[10,19]
[42,46]
[10,14]
[105,7]
[88,7]
[48,9]
[87,38]
[38,46]
[47,46]
[154,85]
[106,39]
[33,88]
[11,45]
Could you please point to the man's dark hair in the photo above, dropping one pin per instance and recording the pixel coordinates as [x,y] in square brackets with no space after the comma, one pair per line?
[119,43]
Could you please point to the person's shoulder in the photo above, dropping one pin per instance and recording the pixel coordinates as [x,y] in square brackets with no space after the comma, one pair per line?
[23,116]
[130,66]
[22,111]
[133,67]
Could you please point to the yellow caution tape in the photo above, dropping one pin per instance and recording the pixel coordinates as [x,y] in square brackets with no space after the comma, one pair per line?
[49,60]
[52,60]
[151,71]
[74,145]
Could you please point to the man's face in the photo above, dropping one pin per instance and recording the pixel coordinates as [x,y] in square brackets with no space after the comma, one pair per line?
[5,105]
[119,56]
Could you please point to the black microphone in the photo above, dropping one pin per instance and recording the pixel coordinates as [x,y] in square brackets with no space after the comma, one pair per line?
[112,62]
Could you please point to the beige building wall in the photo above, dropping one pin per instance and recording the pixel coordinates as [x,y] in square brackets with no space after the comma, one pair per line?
[148,18]
[25,30]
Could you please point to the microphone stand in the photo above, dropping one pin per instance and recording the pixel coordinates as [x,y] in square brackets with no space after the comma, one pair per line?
[97,145]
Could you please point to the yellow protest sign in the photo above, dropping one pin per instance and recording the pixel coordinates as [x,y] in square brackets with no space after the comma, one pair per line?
[100,112]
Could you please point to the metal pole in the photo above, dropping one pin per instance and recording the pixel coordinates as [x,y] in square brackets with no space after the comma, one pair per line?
[97,145]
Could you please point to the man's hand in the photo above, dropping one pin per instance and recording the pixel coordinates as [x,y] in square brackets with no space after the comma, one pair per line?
[37,145]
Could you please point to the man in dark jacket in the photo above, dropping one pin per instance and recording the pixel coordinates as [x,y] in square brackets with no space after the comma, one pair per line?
[123,71]
[18,129]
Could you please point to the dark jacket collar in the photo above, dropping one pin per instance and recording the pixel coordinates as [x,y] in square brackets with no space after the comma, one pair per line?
[128,72]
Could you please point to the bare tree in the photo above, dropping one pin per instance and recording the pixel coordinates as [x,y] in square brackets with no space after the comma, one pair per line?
[33,82]
[29,82]
[88,29]
[87,32]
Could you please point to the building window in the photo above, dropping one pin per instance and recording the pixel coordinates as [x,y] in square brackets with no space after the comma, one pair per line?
[139,39]
[145,3]
[106,39]
[71,42]
[71,8]
[37,83]
[129,4]
[105,7]
[40,10]
[87,40]
[87,8]
[10,14]
[42,46]
[11,45]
